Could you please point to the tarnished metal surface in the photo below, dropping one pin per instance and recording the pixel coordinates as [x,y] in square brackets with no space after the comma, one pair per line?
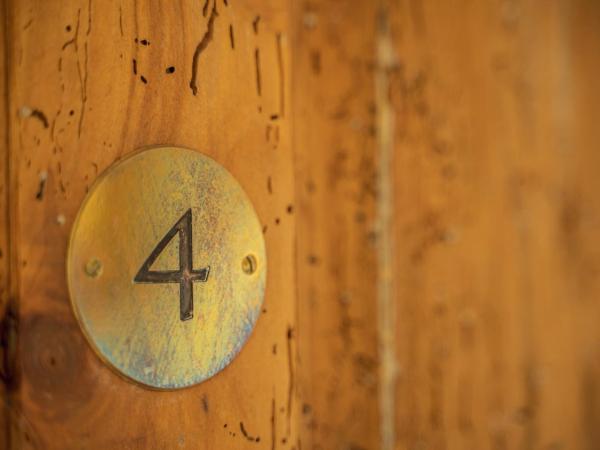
[167,267]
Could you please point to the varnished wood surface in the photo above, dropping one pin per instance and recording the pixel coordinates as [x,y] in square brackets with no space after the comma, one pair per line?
[5,353]
[487,274]
[91,81]
[336,183]
[497,218]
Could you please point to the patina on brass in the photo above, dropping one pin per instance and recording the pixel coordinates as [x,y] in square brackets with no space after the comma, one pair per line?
[166,267]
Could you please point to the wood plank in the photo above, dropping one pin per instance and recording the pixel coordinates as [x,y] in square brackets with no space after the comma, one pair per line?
[336,184]
[5,352]
[92,82]
[497,214]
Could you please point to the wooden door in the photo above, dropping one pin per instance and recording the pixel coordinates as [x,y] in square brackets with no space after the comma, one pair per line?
[426,177]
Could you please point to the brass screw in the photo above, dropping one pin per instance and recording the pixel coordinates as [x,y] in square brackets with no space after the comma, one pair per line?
[249,264]
[93,268]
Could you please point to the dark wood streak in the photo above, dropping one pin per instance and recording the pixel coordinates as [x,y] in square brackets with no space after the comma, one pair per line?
[257,67]
[206,39]
[246,435]
[291,381]
[281,71]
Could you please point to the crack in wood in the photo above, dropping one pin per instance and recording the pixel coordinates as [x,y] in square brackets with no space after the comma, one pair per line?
[38,114]
[206,39]
[291,380]
[85,71]
[257,67]
[246,435]
[231,37]
[281,76]
[273,422]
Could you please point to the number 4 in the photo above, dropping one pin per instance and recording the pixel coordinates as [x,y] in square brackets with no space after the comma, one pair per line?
[186,275]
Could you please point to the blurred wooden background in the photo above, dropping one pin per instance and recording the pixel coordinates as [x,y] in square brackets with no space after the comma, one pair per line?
[490,265]
[427,175]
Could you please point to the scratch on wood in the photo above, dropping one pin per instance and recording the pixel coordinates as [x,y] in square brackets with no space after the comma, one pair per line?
[73,40]
[40,116]
[231,37]
[257,66]
[42,187]
[281,76]
[54,123]
[255,24]
[273,422]
[208,35]
[121,20]
[85,70]
[89,28]
[291,380]
[79,74]
[205,7]
[246,435]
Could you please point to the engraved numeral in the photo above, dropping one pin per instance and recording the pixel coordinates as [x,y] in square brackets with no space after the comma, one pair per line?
[186,275]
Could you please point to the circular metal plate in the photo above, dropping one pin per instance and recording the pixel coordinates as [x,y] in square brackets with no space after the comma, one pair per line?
[166,267]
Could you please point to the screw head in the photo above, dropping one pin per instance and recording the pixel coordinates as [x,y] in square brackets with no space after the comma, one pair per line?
[93,268]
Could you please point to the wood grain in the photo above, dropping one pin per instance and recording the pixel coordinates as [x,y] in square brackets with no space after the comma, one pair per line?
[336,184]
[497,218]
[91,82]
[5,417]
[481,234]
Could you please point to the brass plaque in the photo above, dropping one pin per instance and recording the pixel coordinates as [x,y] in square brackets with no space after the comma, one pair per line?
[166,267]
